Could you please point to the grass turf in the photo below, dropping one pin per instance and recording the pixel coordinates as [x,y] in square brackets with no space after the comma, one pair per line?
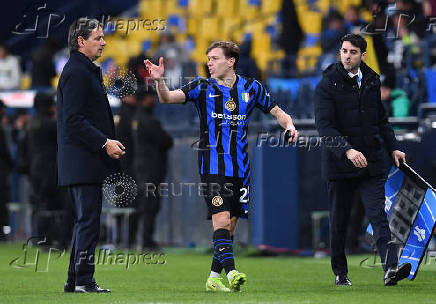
[182,280]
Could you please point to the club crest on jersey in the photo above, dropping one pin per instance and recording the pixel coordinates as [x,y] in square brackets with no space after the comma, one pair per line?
[217,201]
[245,97]
[230,105]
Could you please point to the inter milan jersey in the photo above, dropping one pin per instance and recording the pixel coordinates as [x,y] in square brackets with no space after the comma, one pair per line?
[224,115]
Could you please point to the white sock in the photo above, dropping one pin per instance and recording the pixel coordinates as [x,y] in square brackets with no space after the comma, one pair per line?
[214,274]
[229,275]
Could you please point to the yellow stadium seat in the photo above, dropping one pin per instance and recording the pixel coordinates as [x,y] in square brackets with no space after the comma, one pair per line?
[229,26]
[133,47]
[199,53]
[300,2]
[306,63]
[209,28]
[324,6]
[310,51]
[54,81]
[310,21]
[192,25]
[121,59]
[139,35]
[301,63]
[261,44]
[345,4]
[237,36]
[256,28]
[200,7]
[226,8]
[26,81]
[262,62]
[152,9]
[371,58]
[366,15]
[271,6]
[246,11]
[181,38]
[173,8]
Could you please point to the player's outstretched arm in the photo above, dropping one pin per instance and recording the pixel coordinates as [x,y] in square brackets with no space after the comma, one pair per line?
[285,121]
[165,95]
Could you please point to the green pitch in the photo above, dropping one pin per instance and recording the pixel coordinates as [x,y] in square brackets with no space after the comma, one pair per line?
[180,276]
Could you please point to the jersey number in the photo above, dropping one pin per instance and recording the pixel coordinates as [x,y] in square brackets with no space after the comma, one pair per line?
[244,196]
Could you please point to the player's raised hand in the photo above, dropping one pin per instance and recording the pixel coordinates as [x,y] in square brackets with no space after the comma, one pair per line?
[156,72]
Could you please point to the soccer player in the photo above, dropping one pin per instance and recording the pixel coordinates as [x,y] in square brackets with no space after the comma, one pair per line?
[224,104]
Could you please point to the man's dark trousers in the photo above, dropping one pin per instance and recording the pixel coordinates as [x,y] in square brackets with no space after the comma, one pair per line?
[87,201]
[372,194]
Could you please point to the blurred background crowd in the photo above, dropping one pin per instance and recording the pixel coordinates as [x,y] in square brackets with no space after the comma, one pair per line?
[285,44]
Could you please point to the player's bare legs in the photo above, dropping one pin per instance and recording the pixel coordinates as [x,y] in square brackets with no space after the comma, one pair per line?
[221,220]
[233,222]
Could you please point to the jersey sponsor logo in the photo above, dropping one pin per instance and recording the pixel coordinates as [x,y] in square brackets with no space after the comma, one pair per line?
[217,201]
[230,105]
[227,116]
[212,96]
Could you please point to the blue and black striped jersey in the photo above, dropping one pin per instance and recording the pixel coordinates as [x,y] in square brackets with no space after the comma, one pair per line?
[224,115]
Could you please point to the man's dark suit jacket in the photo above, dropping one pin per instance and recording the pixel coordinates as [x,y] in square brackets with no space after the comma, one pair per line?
[346,117]
[84,122]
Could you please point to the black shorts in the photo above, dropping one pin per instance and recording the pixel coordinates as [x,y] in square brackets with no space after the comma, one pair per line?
[224,193]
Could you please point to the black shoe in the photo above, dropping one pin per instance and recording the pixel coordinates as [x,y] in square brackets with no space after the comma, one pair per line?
[90,288]
[342,280]
[395,274]
[69,287]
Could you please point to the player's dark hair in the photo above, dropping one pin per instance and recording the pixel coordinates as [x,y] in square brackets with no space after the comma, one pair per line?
[81,27]
[229,48]
[356,40]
